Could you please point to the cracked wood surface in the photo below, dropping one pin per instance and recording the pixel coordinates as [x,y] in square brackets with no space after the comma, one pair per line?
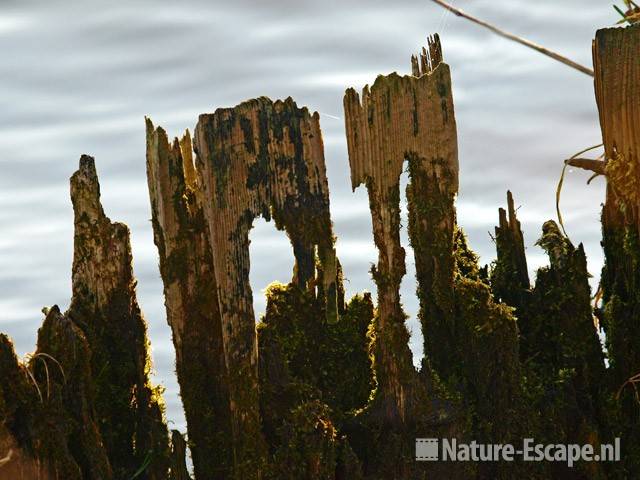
[405,119]
[617,82]
[617,79]
[261,158]
[191,299]
[104,305]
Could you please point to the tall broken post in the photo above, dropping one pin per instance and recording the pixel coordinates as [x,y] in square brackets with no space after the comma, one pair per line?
[617,82]
[410,119]
[104,306]
[407,119]
[191,299]
[261,158]
[471,341]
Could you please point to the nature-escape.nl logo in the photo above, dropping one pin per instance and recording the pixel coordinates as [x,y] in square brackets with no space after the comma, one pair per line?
[433,449]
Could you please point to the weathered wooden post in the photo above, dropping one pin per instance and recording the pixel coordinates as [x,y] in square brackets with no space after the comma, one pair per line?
[260,158]
[407,119]
[617,85]
[105,307]
[191,299]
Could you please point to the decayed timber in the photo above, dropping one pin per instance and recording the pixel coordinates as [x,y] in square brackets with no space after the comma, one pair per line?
[510,277]
[471,341]
[191,299]
[408,118]
[261,158]
[617,82]
[105,307]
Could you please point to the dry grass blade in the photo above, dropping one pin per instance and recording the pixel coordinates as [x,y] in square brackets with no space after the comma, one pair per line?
[7,458]
[46,355]
[559,189]
[515,38]
[145,464]
[35,383]
[46,371]
[633,381]
[42,356]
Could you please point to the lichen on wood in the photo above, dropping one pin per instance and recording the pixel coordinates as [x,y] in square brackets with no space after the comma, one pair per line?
[191,299]
[399,119]
[617,79]
[129,410]
[261,158]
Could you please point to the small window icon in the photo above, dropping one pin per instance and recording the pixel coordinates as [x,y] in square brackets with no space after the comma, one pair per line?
[426,449]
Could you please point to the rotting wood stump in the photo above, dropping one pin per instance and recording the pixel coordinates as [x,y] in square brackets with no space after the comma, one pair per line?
[407,119]
[191,299]
[105,307]
[260,158]
[617,83]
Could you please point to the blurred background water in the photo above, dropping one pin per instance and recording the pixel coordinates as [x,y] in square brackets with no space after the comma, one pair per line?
[79,76]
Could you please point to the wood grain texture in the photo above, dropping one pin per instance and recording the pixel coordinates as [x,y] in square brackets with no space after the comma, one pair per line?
[617,79]
[617,82]
[105,307]
[405,119]
[261,158]
[191,299]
